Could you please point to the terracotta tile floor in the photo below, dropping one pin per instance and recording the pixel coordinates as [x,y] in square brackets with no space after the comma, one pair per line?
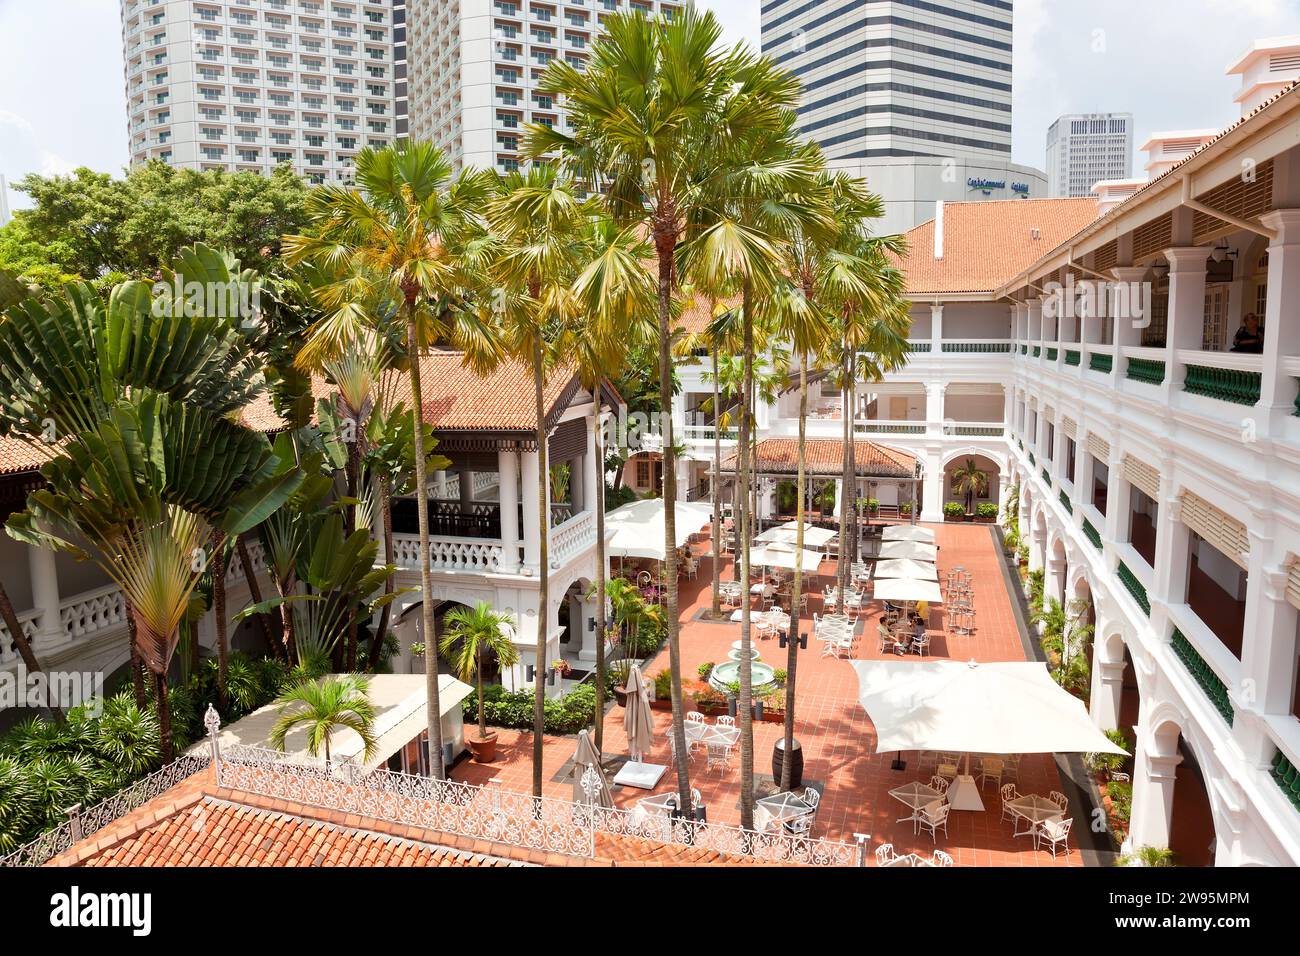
[837,738]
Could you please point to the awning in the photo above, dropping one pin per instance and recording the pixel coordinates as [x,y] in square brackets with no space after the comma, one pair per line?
[915,550]
[906,589]
[907,532]
[399,701]
[636,530]
[813,536]
[905,568]
[998,708]
[776,557]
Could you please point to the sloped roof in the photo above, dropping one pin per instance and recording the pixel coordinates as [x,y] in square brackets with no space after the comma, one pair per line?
[825,456]
[987,243]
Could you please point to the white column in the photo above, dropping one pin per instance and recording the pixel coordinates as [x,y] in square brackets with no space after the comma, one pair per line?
[1129,308]
[466,491]
[45,596]
[932,486]
[529,481]
[1107,691]
[934,408]
[1268,654]
[508,494]
[1173,554]
[1153,793]
[1186,309]
[1035,321]
[936,328]
[1281,332]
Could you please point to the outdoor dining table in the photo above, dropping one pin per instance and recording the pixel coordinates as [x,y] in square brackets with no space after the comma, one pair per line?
[914,796]
[703,733]
[908,859]
[1034,809]
[786,806]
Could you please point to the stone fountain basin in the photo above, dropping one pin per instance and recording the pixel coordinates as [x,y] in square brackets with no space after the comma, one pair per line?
[761,675]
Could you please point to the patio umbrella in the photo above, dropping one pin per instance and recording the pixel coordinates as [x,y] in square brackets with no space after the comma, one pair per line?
[813,537]
[997,708]
[785,557]
[906,532]
[916,550]
[589,783]
[637,721]
[906,589]
[636,530]
[906,568]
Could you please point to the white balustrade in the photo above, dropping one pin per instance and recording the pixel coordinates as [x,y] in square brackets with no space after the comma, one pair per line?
[92,611]
[448,554]
[574,536]
[29,621]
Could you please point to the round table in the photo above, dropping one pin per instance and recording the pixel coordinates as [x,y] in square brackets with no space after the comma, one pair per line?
[1035,809]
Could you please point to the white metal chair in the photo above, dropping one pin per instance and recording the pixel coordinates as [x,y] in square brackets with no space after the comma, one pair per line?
[920,643]
[812,798]
[799,826]
[991,769]
[940,783]
[940,858]
[885,854]
[1009,793]
[672,746]
[725,720]
[1054,832]
[934,817]
[1059,799]
[695,717]
[718,755]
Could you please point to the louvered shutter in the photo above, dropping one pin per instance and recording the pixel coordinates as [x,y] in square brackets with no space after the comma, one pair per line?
[1069,426]
[1220,529]
[1099,447]
[1293,583]
[1143,476]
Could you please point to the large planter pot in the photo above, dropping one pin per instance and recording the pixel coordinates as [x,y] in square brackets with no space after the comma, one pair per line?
[483,750]
[796,763]
[620,696]
[731,706]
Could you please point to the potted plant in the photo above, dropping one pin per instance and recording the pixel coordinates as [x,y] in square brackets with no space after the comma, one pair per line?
[905,509]
[953,511]
[968,480]
[618,672]
[704,670]
[470,634]
[561,667]
[986,512]
[733,697]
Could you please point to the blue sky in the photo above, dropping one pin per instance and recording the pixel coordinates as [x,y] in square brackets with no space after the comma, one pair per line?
[62,103]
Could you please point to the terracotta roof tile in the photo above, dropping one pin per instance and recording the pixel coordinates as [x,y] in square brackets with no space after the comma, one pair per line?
[825,456]
[987,243]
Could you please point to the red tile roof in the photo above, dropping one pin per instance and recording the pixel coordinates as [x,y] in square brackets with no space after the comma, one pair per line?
[825,456]
[987,243]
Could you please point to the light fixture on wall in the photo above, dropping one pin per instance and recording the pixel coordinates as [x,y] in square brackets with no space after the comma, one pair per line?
[1220,252]
[1160,270]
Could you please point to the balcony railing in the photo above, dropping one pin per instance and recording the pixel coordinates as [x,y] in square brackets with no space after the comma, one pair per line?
[1150,371]
[1066,503]
[1287,776]
[1134,587]
[1101,362]
[978,346]
[876,427]
[1073,356]
[974,429]
[1092,534]
[1231,378]
[706,433]
[1204,675]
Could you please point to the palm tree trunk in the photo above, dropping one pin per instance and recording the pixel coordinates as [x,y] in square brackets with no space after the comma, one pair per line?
[137,662]
[599,504]
[796,588]
[285,587]
[219,612]
[273,642]
[846,478]
[665,242]
[745,704]
[381,629]
[544,556]
[24,647]
[353,469]
[434,710]
[851,454]
[715,529]
[482,717]
[164,706]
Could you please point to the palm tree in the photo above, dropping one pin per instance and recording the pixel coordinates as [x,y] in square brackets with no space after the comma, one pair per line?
[9,617]
[406,237]
[968,480]
[335,702]
[469,634]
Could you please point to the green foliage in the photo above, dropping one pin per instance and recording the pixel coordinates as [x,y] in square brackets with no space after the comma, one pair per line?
[1121,799]
[564,715]
[663,685]
[986,509]
[103,228]
[780,674]
[705,669]
[1148,856]
[953,509]
[1110,763]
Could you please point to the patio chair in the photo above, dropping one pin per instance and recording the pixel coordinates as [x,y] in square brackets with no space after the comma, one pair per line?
[813,799]
[1009,793]
[1059,799]
[920,642]
[934,817]
[940,858]
[948,767]
[885,854]
[1011,766]
[719,756]
[725,720]
[695,716]
[940,783]
[1054,832]
[800,826]
[672,747]
[991,769]
[927,759]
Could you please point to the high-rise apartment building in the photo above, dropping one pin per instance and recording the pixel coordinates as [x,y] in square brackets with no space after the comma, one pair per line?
[249,84]
[475,67]
[1085,148]
[914,97]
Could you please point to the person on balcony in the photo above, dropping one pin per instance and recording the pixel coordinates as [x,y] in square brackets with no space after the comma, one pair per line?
[1250,337]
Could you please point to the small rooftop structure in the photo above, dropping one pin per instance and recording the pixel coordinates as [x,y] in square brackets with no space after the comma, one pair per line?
[1167,148]
[1267,68]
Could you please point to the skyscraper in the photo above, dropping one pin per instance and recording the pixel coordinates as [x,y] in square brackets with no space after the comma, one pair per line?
[916,97]
[475,67]
[249,84]
[1085,148]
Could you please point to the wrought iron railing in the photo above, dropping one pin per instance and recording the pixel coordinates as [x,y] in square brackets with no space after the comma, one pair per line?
[1204,675]
[84,823]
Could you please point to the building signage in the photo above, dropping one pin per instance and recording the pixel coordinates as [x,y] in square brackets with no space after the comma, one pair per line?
[986,186]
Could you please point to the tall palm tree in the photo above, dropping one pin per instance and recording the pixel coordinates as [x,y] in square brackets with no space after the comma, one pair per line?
[335,702]
[968,480]
[406,236]
[469,634]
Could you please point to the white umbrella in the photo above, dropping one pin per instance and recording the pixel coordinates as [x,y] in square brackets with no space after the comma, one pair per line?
[637,721]
[776,557]
[589,783]
[906,589]
[636,530]
[915,550]
[813,537]
[907,532]
[998,708]
[905,568]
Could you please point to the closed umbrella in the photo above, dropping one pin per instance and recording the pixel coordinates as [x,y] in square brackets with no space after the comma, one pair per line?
[589,783]
[637,721]
[916,550]
[906,568]
[906,532]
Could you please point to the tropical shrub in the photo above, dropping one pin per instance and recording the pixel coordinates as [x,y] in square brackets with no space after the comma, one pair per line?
[986,509]
[663,685]
[953,509]
[564,715]
[1121,799]
[704,670]
[1109,763]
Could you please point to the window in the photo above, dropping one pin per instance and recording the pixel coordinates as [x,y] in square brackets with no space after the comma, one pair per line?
[1142,524]
[1100,484]
[1070,449]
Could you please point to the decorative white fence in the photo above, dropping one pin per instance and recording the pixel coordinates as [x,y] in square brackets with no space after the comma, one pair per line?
[573,537]
[30,621]
[448,554]
[92,611]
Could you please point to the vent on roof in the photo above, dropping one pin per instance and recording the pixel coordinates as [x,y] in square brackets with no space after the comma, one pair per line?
[1035,233]
[1284,62]
[1181,145]
[938,228]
